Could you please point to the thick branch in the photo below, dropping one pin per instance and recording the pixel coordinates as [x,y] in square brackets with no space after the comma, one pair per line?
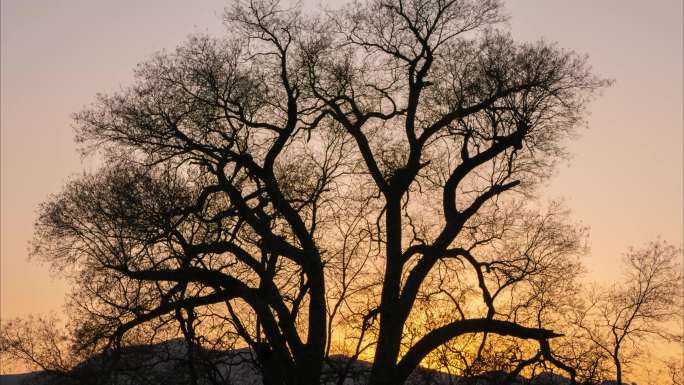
[440,336]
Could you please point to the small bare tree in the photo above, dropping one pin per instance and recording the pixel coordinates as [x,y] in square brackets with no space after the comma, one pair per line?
[642,307]
[40,341]
[675,370]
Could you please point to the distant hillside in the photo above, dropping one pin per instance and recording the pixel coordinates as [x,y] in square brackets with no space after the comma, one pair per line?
[166,363]
[18,379]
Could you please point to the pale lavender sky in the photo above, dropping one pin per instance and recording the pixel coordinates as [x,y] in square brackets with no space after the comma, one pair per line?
[625,180]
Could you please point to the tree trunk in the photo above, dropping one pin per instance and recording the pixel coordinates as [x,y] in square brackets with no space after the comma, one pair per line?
[618,369]
[391,315]
[310,363]
[387,352]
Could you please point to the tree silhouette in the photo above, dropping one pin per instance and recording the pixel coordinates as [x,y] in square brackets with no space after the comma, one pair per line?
[639,308]
[313,179]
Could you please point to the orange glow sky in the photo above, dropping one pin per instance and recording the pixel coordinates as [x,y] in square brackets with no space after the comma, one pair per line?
[625,180]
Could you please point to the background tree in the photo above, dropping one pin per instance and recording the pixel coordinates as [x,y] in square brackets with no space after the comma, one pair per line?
[314,178]
[676,371]
[39,341]
[643,307]
[43,344]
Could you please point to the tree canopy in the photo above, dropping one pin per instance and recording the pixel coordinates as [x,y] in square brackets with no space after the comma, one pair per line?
[355,182]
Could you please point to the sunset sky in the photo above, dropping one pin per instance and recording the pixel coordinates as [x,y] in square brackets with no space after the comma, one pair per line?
[624,181]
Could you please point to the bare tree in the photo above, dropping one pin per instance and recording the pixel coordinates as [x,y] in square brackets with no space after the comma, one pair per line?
[39,341]
[640,308]
[311,179]
[43,344]
[675,370]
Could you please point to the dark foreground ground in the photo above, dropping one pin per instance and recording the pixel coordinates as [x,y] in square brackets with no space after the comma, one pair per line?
[166,363]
